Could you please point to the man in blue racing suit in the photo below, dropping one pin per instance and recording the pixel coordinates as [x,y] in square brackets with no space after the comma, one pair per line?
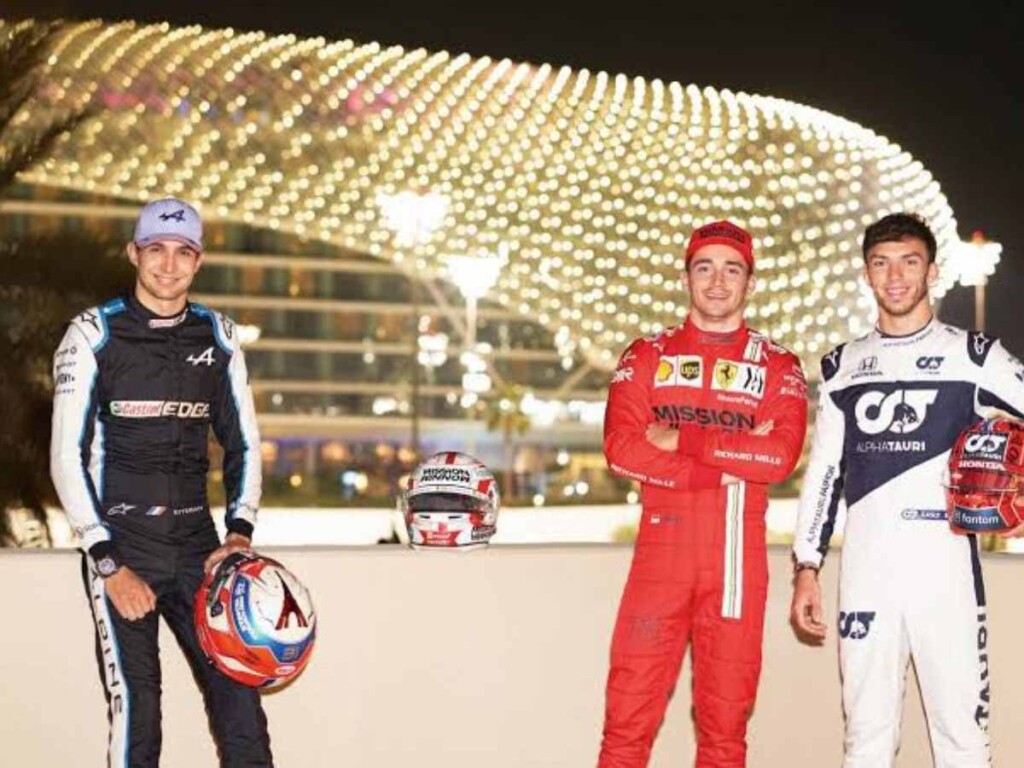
[140,380]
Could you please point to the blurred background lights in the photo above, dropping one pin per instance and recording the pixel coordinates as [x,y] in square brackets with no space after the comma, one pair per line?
[573,191]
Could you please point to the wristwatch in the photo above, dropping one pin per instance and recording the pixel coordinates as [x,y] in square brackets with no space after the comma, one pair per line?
[107,566]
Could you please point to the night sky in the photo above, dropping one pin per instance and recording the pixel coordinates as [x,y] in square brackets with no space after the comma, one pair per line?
[947,88]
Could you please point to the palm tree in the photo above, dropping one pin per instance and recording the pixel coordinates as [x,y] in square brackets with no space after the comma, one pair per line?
[46,279]
[505,413]
[24,50]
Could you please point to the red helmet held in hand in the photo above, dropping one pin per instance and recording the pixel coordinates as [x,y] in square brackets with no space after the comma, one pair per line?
[255,620]
[986,478]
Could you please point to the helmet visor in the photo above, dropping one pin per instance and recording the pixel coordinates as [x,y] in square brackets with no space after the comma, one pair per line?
[446,502]
[983,481]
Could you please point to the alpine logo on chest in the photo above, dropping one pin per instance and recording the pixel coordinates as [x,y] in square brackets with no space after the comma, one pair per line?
[205,358]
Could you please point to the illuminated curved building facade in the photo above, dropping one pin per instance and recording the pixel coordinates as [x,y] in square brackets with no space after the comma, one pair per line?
[346,183]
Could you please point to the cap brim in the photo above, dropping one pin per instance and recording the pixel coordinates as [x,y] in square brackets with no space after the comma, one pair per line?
[170,236]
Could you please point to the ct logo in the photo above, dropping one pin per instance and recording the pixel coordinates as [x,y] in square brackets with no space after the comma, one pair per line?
[901,411]
[985,443]
[855,625]
[929,363]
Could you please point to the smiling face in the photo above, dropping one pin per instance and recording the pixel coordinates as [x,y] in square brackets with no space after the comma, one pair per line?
[899,273]
[719,282]
[164,272]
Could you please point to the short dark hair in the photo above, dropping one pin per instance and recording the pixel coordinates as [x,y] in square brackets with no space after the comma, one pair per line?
[894,228]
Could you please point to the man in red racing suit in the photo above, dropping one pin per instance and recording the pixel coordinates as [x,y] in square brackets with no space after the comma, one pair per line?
[704,416]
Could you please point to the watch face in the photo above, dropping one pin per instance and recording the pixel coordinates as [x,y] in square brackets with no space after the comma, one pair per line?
[106,566]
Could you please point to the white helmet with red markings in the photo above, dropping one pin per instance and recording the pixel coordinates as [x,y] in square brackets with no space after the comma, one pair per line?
[451,503]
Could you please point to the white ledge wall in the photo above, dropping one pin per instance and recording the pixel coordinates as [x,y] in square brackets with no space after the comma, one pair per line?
[438,660]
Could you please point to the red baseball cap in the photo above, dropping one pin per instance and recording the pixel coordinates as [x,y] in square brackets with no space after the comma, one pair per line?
[722,233]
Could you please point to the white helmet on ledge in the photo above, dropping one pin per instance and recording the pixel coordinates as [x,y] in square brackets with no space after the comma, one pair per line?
[451,503]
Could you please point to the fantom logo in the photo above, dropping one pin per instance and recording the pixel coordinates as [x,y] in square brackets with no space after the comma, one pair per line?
[902,411]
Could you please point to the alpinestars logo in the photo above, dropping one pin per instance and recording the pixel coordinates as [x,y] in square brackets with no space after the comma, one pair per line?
[90,317]
[622,374]
[178,215]
[855,625]
[980,343]
[902,411]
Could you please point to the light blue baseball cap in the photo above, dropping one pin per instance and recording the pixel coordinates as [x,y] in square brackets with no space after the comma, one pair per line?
[169,219]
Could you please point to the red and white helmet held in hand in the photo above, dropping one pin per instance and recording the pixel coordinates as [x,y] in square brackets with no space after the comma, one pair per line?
[255,620]
[986,478]
[451,502]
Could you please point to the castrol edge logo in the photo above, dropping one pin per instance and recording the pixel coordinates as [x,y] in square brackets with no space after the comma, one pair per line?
[155,409]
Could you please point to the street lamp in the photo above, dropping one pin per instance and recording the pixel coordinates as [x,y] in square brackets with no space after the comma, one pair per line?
[974,261]
[474,276]
[413,219]
[248,334]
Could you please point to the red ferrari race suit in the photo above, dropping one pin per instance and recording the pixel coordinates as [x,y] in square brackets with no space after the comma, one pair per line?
[700,568]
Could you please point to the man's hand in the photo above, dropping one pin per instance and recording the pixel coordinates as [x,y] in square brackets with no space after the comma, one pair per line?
[806,614]
[130,595]
[233,542]
[662,437]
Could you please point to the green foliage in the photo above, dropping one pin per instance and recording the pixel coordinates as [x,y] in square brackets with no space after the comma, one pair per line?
[45,280]
[504,413]
[30,126]
[625,534]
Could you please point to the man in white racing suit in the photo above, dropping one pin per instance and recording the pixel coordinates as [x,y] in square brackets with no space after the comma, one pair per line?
[891,404]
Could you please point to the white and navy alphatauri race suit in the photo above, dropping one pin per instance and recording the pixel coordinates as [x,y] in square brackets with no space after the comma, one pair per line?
[889,410]
[136,396]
